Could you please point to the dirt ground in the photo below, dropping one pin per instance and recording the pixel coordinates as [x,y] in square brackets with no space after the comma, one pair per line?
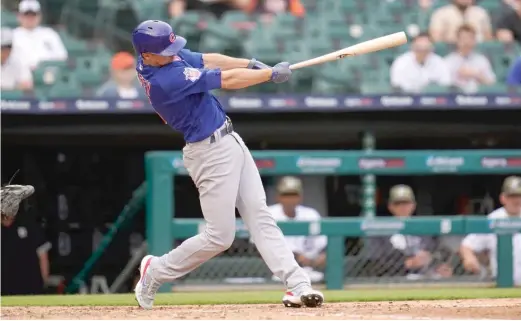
[443,309]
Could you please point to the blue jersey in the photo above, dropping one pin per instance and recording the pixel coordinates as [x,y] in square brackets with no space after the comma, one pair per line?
[180,93]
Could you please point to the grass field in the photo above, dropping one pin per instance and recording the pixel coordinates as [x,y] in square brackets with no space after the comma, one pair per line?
[260,297]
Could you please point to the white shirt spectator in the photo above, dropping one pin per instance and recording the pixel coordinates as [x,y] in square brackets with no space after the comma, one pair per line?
[476,61]
[309,246]
[38,44]
[481,242]
[14,72]
[411,76]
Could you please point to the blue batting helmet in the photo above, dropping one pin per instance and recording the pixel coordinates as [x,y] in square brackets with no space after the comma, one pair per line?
[157,37]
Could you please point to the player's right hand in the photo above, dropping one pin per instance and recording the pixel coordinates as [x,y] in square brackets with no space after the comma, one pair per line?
[281,72]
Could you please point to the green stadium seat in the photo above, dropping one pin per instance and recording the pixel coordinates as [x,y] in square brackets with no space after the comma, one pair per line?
[238,20]
[192,24]
[376,88]
[498,88]
[324,86]
[491,47]
[310,5]
[66,87]
[9,19]
[12,94]
[331,79]
[150,9]
[48,72]
[228,33]
[493,7]
[442,48]
[75,47]
[89,71]
[436,89]
[220,38]
[376,75]
[266,52]
[285,27]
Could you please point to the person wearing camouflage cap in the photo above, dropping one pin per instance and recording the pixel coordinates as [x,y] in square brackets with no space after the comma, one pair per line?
[472,244]
[417,250]
[308,250]
[402,202]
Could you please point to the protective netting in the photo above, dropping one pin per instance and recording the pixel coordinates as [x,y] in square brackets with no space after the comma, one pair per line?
[385,259]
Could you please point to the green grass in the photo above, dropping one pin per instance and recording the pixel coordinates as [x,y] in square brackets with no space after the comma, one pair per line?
[239,297]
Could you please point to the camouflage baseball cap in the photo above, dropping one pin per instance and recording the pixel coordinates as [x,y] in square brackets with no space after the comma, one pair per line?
[401,193]
[290,185]
[512,185]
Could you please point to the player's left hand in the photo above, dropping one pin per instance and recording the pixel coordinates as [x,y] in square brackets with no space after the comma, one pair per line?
[281,72]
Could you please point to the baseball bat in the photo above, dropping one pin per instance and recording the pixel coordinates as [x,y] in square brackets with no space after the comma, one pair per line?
[377,44]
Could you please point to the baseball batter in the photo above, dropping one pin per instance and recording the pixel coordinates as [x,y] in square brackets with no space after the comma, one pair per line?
[178,83]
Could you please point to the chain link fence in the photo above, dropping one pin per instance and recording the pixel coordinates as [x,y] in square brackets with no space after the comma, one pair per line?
[369,260]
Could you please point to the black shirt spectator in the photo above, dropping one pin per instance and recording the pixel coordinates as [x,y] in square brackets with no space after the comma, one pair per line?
[24,257]
[509,26]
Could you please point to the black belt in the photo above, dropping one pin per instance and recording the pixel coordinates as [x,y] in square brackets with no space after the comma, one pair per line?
[228,129]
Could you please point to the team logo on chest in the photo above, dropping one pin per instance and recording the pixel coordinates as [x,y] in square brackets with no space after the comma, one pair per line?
[192,74]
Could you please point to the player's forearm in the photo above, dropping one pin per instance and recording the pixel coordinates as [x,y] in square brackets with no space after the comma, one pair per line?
[218,61]
[44,266]
[243,78]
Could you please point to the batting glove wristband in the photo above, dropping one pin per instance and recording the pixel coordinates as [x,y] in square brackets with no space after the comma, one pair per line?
[255,64]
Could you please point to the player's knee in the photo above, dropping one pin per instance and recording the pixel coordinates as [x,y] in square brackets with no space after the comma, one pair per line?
[222,240]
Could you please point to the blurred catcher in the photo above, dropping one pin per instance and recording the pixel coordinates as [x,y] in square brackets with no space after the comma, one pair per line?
[11,196]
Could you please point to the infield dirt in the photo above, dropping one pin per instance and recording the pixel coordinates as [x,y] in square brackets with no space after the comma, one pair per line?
[421,310]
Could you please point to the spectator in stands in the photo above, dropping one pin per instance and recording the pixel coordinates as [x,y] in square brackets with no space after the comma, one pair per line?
[268,8]
[34,43]
[514,74]
[446,21]
[123,83]
[414,70]
[176,8]
[468,68]
[475,243]
[508,27]
[16,73]
[309,250]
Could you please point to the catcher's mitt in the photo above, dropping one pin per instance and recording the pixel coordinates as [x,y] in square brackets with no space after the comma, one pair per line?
[11,197]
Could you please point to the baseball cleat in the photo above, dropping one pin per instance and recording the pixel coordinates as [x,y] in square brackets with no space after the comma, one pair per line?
[146,287]
[308,297]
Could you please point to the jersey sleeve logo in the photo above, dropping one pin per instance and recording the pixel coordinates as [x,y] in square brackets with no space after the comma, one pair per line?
[192,74]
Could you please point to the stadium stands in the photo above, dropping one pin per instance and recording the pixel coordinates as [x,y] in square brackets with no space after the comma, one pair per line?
[328,25]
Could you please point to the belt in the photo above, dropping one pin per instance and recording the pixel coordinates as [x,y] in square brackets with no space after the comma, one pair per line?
[228,129]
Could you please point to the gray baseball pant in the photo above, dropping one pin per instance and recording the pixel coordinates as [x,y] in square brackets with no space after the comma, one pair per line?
[227,177]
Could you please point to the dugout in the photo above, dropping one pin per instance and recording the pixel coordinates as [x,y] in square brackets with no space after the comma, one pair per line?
[85,167]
